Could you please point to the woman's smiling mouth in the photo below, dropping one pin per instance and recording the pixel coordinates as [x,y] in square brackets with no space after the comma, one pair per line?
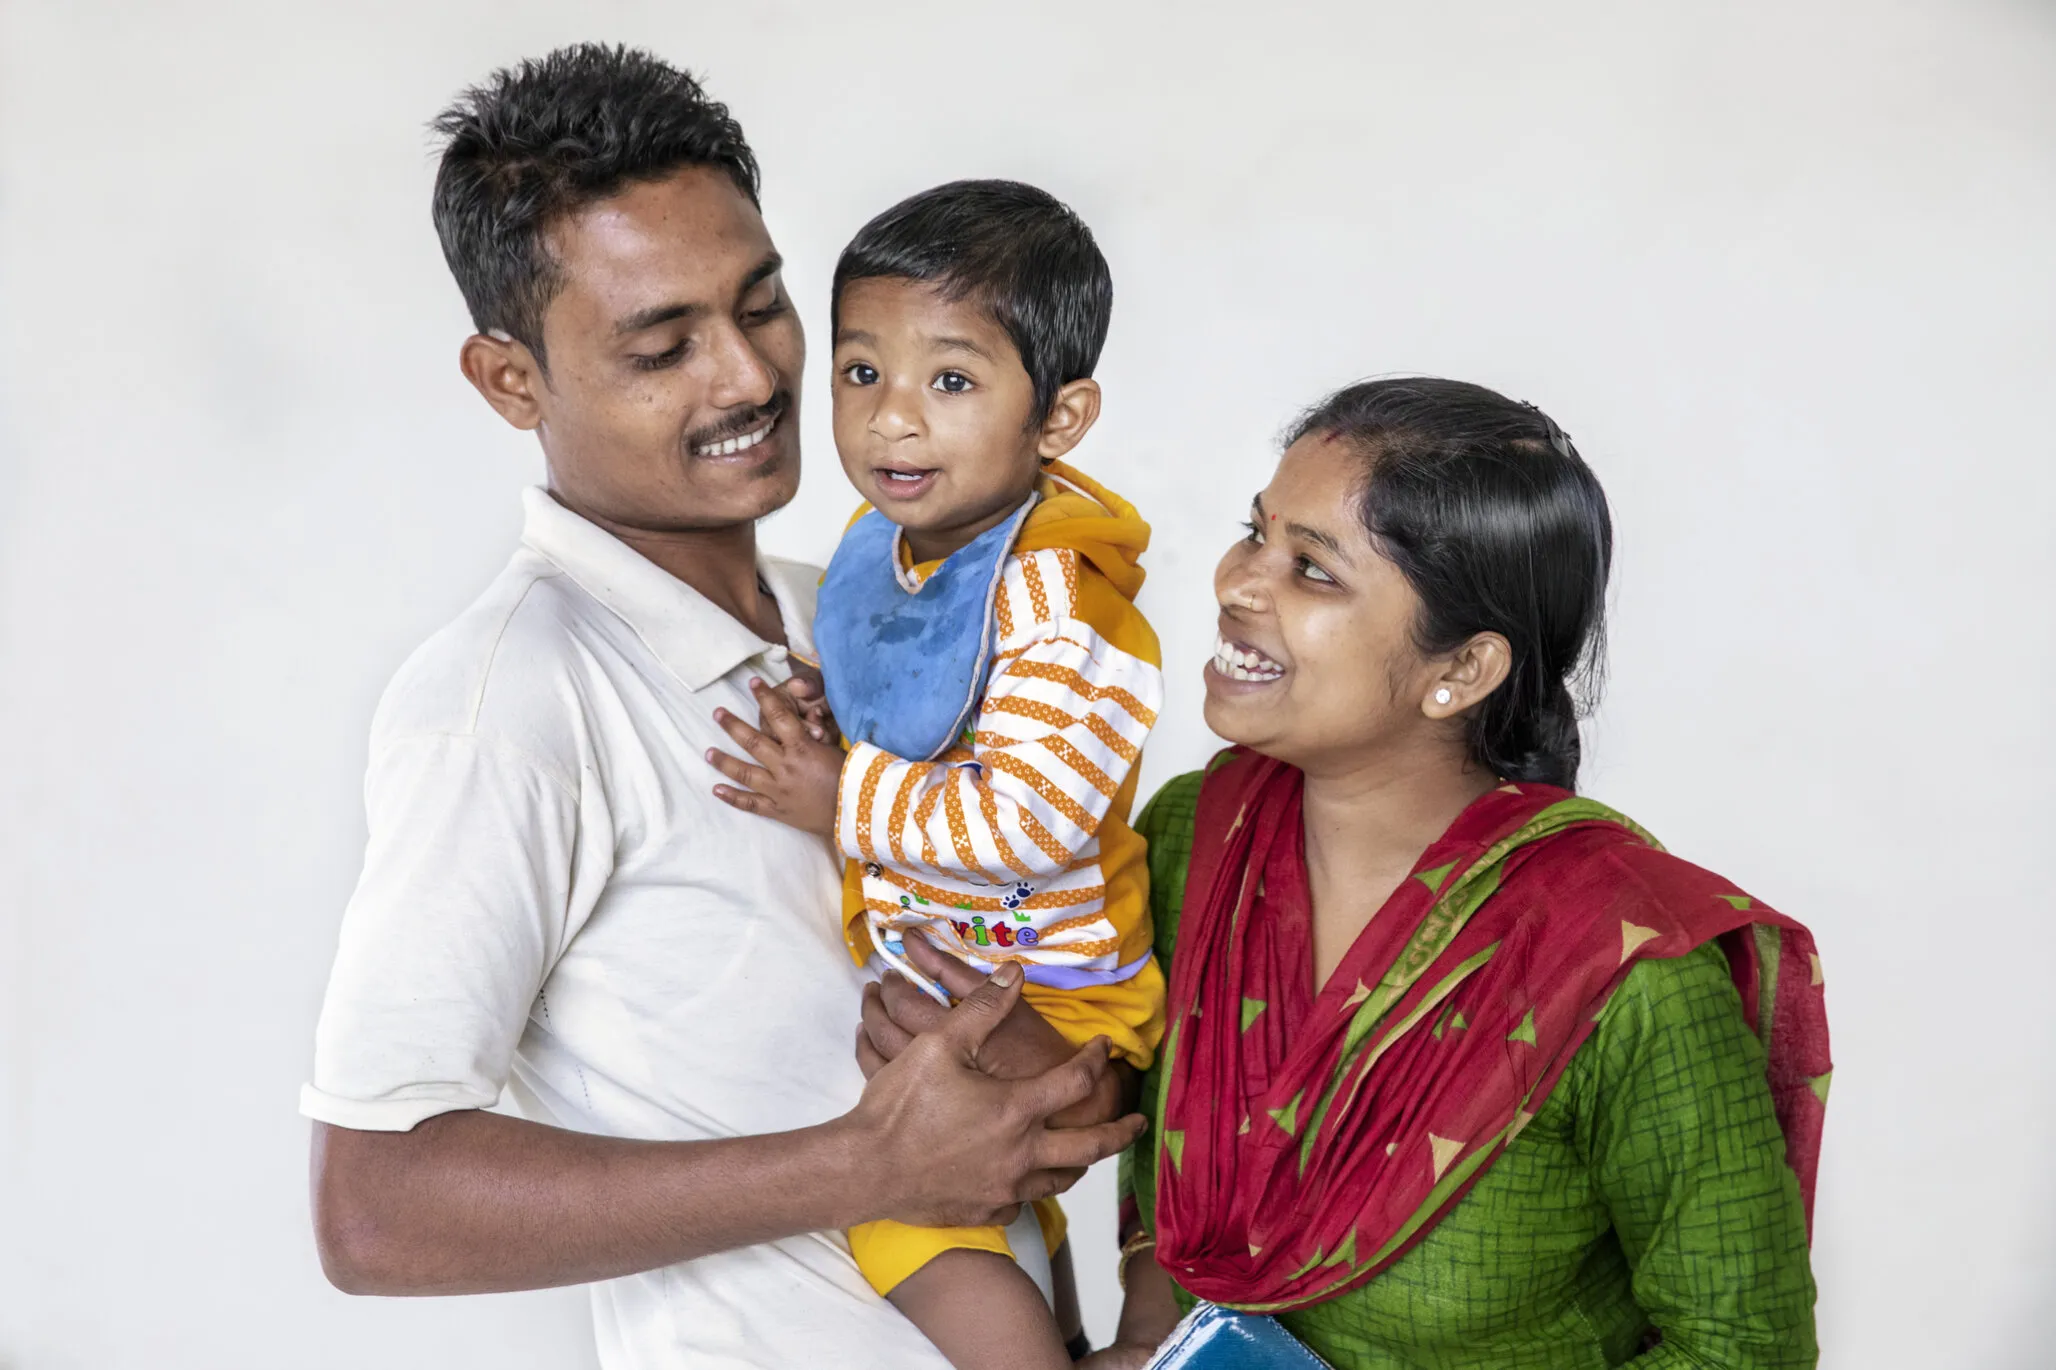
[1240,662]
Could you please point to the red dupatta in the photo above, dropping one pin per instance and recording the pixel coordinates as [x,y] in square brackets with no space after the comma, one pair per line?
[1307,1141]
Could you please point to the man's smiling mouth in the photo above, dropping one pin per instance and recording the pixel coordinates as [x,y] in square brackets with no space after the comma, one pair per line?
[728,447]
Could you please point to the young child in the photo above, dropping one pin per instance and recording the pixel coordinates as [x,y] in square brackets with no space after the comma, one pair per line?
[984,658]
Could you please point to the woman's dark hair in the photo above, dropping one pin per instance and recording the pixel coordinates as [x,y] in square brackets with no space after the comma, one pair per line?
[550,136]
[1016,252]
[1497,523]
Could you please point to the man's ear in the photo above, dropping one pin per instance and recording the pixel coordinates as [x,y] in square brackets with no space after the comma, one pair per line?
[507,374]
[1071,416]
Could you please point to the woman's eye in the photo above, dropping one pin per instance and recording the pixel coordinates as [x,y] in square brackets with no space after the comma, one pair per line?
[658,361]
[1255,536]
[1312,572]
[860,373]
[953,382]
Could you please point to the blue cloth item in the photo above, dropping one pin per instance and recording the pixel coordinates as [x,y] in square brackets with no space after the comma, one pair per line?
[1211,1337]
[905,670]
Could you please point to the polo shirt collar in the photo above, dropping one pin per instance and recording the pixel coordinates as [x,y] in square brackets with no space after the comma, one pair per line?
[697,642]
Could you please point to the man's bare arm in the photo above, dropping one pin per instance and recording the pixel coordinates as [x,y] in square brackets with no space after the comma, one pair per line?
[471,1202]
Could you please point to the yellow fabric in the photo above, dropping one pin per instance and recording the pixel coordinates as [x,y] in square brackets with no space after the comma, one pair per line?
[887,1252]
[1077,513]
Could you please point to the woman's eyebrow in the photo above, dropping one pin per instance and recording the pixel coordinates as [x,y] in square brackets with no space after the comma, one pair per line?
[1315,535]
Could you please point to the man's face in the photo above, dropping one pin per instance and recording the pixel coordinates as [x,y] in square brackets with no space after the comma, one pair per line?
[672,402]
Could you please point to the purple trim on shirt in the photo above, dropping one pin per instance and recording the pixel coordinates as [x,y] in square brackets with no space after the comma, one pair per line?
[1071,977]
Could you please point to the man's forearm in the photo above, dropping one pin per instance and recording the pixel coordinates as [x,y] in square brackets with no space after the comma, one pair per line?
[471,1202]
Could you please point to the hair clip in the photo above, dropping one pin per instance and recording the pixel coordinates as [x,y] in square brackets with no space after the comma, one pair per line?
[1558,439]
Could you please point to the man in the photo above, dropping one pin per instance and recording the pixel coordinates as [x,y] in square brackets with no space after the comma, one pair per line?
[553,900]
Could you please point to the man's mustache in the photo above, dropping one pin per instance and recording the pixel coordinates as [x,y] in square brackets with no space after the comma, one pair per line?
[744,421]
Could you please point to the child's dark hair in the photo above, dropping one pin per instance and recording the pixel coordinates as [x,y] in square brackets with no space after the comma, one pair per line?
[1499,526]
[552,135]
[1017,252]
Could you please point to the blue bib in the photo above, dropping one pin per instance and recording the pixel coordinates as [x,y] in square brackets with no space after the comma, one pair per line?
[1214,1338]
[905,669]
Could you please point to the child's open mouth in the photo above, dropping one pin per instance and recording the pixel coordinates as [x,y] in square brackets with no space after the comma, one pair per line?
[903,483]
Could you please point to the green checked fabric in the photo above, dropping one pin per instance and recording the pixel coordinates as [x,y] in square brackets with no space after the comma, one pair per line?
[1650,1192]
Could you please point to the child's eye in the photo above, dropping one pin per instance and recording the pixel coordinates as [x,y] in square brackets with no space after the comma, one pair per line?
[659,361]
[1312,572]
[1255,536]
[860,373]
[953,382]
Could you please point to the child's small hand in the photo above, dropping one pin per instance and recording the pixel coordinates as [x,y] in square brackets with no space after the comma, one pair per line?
[810,697]
[797,775]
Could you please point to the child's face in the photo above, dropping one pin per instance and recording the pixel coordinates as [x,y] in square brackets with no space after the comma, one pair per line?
[931,413]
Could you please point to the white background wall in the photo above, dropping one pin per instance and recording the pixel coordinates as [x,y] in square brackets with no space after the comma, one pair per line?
[1786,270]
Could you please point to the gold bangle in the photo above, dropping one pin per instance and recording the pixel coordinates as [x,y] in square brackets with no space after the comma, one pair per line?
[1140,1241]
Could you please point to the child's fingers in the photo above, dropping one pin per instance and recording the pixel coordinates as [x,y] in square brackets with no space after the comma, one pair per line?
[747,800]
[777,714]
[756,743]
[738,770]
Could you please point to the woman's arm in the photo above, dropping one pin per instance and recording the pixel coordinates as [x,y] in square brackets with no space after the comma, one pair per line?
[1675,1119]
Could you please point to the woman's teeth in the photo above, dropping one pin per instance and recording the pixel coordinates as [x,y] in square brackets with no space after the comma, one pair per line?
[734,445]
[1239,663]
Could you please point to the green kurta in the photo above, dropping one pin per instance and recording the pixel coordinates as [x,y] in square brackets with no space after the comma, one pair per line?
[1650,1192]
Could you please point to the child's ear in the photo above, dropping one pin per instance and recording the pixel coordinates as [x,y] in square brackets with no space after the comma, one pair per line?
[1071,416]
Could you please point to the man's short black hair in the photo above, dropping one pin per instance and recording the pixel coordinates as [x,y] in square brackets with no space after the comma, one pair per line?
[552,135]
[1015,251]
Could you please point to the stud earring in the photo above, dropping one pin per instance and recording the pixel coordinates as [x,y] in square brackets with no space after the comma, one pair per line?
[1442,696]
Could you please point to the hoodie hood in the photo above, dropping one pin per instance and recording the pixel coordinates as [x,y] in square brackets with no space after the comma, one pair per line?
[1079,513]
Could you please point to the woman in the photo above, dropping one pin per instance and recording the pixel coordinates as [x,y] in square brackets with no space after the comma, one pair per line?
[1464,1072]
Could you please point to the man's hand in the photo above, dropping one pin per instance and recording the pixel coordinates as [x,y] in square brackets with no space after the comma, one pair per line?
[797,773]
[952,1146]
[1022,1045]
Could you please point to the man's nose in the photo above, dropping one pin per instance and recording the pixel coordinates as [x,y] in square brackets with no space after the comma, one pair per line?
[741,374]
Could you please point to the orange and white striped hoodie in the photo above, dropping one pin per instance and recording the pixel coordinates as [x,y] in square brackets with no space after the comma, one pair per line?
[1015,845]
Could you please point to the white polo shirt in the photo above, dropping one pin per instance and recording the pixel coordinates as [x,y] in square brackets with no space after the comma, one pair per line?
[553,901]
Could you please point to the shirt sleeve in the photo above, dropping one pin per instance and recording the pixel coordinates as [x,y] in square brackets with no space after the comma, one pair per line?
[1676,1122]
[1062,723]
[477,860]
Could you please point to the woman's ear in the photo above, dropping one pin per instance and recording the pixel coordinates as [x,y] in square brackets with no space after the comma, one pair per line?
[506,373]
[1071,416]
[1472,672]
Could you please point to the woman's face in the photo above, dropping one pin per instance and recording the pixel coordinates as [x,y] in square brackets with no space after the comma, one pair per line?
[1315,664]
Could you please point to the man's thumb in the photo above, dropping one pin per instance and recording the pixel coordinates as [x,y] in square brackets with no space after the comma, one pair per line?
[983,1009]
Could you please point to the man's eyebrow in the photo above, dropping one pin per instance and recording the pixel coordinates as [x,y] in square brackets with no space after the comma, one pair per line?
[654,315]
[666,313]
[770,266]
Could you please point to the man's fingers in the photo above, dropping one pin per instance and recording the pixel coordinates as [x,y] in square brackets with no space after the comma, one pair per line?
[751,740]
[1057,1088]
[908,1004]
[869,1059]
[1074,1148]
[885,1035]
[968,1024]
[738,770]
[945,970]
